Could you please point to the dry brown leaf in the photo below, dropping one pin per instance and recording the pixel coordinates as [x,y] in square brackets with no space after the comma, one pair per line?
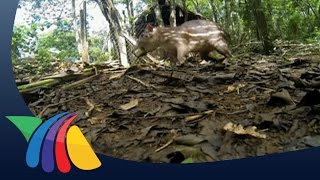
[235,88]
[231,89]
[94,120]
[238,129]
[133,103]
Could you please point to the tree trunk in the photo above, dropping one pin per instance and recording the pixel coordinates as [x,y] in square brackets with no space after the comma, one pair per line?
[157,11]
[128,17]
[214,11]
[109,50]
[107,46]
[125,18]
[83,34]
[233,17]
[128,7]
[319,15]
[314,11]
[227,15]
[173,19]
[76,27]
[261,25]
[131,8]
[112,16]
[185,12]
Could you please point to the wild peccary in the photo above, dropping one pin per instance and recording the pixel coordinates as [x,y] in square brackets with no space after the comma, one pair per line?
[197,36]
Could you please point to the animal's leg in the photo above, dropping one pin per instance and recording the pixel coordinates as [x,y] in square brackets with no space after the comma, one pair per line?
[182,51]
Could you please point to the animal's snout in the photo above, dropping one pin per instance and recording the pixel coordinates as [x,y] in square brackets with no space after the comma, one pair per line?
[139,52]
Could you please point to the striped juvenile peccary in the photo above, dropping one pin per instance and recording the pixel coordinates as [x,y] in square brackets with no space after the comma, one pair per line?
[197,36]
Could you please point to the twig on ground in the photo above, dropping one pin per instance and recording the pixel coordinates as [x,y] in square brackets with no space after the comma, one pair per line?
[177,115]
[141,82]
[79,83]
[40,115]
[168,143]
[193,114]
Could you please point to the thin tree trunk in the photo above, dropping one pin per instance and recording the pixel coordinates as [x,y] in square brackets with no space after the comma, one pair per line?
[309,7]
[125,18]
[132,17]
[233,18]
[128,7]
[128,12]
[214,11]
[157,11]
[173,19]
[314,11]
[131,8]
[107,46]
[227,15]
[261,25]
[76,27]
[83,34]
[185,12]
[119,43]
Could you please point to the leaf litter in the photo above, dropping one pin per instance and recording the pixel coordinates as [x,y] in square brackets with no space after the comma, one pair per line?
[250,107]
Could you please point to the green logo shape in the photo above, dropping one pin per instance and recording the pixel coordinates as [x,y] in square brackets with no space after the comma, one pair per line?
[26,124]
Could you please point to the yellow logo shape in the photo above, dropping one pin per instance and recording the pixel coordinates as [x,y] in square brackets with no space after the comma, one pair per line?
[78,147]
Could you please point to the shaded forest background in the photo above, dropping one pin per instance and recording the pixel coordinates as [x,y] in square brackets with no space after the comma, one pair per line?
[52,31]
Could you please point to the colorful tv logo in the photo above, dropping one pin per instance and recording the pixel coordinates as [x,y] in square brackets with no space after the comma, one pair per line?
[54,143]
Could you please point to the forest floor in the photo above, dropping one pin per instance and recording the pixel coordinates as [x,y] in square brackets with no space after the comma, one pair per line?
[253,106]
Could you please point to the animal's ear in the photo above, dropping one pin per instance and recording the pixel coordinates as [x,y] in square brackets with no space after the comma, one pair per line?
[149,27]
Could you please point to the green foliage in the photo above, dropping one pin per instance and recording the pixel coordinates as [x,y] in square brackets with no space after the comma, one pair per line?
[62,39]
[23,40]
[99,56]
[96,52]
[43,55]
[314,37]
[286,19]
[27,40]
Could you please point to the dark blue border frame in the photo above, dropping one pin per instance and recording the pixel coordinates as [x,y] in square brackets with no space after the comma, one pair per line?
[293,165]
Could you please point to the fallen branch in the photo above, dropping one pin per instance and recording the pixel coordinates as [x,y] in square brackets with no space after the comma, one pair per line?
[67,77]
[193,114]
[50,81]
[108,71]
[78,83]
[37,85]
[236,112]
